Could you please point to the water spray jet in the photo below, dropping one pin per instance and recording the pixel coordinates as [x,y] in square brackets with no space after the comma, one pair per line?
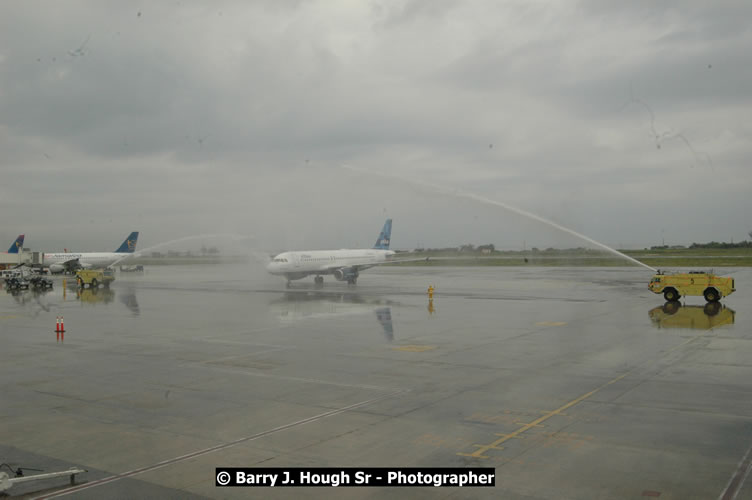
[234,237]
[471,196]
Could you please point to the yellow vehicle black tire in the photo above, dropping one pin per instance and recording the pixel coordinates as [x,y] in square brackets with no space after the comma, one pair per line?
[671,307]
[711,294]
[712,308]
[671,295]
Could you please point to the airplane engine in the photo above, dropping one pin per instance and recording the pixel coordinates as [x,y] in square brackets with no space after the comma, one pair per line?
[57,268]
[345,274]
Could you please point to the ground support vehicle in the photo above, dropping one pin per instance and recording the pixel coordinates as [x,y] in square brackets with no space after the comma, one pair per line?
[18,278]
[94,277]
[673,286]
[40,283]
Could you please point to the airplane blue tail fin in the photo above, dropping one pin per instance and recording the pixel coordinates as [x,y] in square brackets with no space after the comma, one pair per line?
[17,245]
[385,236]
[129,245]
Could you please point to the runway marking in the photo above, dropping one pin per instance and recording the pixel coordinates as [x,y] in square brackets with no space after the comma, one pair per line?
[414,348]
[507,418]
[247,355]
[479,453]
[301,379]
[532,425]
[551,323]
[737,479]
[508,435]
[212,449]
[240,342]
[482,448]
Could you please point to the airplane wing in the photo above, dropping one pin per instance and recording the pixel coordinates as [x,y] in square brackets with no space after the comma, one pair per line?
[72,264]
[367,264]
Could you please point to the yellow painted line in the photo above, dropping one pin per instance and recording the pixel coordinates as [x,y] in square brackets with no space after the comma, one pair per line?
[559,411]
[507,435]
[551,323]
[521,423]
[536,423]
[414,348]
[8,316]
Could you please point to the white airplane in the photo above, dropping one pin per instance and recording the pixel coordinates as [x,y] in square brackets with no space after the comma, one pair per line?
[344,265]
[70,261]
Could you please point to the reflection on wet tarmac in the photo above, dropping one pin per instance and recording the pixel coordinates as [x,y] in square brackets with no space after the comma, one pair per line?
[103,295]
[95,295]
[306,305]
[128,297]
[676,315]
[32,297]
[384,315]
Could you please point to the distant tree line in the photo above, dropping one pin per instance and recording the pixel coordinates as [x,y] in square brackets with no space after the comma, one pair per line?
[468,248]
[716,244]
[489,249]
[712,244]
[213,251]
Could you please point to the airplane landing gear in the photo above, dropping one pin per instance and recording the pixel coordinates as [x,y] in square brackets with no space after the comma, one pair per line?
[318,280]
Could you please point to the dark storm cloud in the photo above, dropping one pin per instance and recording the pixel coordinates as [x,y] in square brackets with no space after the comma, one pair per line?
[191,116]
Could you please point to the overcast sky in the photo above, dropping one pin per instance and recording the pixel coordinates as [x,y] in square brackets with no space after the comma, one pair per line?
[630,122]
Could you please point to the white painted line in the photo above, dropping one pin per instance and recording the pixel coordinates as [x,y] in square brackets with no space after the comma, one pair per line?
[247,355]
[206,451]
[301,379]
[737,479]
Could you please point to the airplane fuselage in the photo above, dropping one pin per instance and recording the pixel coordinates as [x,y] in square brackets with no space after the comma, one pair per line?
[297,265]
[85,260]
[70,261]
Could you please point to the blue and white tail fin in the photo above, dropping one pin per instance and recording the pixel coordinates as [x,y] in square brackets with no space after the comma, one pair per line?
[17,245]
[129,245]
[385,236]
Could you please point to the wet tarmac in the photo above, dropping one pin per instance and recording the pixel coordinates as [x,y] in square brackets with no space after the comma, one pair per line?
[572,382]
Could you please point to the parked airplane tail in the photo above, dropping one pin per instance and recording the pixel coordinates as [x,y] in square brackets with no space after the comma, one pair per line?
[129,245]
[17,245]
[385,236]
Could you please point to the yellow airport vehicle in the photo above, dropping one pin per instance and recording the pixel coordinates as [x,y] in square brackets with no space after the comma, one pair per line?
[707,317]
[94,277]
[673,286]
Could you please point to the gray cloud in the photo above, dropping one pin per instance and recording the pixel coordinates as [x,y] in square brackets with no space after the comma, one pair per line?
[235,116]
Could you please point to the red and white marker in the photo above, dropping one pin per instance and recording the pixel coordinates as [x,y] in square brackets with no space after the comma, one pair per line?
[59,325]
